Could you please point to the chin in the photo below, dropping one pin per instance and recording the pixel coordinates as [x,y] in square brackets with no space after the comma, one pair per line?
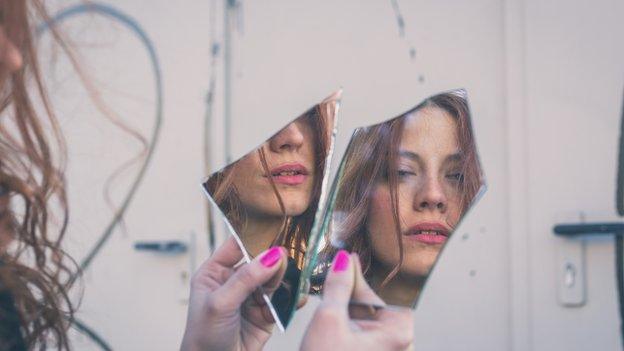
[295,207]
[419,268]
[416,272]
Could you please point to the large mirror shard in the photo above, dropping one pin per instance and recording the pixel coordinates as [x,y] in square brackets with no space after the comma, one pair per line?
[270,196]
[401,189]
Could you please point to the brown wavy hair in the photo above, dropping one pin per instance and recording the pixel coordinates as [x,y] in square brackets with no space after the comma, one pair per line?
[295,230]
[372,157]
[34,269]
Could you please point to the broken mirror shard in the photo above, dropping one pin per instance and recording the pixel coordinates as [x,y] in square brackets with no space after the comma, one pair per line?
[401,189]
[270,196]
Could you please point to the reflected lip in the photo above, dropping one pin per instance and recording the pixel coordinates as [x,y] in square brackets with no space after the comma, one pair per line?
[429,232]
[289,173]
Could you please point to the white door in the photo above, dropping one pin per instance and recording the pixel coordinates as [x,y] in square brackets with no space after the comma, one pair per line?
[571,92]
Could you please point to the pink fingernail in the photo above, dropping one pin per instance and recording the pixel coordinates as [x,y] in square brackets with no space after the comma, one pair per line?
[271,257]
[341,262]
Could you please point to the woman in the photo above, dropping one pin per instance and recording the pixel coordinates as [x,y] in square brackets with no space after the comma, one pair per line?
[405,186]
[34,270]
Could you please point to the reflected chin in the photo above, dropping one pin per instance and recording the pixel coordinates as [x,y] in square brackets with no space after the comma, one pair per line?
[295,209]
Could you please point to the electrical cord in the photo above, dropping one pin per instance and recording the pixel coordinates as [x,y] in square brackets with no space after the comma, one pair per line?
[133,25]
[87,331]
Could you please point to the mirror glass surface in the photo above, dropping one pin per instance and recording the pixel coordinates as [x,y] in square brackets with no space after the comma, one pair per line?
[401,189]
[270,196]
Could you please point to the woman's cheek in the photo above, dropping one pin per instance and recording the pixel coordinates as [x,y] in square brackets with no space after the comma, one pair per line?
[381,227]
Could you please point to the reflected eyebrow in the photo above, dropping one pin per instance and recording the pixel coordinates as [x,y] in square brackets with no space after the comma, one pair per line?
[409,154]
[416,157]
[454,157]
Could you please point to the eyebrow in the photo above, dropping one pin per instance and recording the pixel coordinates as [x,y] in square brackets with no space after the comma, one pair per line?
[416,157]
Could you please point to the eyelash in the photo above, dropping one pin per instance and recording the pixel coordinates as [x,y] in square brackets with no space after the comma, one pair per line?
[404,173]
[456,177]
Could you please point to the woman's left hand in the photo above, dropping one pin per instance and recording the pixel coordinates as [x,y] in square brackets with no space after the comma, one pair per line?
[226,311]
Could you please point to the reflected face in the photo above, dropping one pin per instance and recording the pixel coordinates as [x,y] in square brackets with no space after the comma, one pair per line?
[429,175]
[291,162]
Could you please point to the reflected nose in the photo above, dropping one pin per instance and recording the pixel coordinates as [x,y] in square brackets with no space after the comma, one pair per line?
[288,139]
[431,197]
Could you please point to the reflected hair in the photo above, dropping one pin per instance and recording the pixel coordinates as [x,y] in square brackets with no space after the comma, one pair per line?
[295,230]
[372,157]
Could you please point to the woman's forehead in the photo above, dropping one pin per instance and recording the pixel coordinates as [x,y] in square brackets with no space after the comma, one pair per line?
[430,130]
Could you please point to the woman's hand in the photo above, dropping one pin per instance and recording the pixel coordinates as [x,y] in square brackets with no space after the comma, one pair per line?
[332,329]
[226,310]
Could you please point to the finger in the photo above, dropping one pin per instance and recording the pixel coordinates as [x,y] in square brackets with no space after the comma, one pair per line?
[219,266]
[275,282]
[362,292]
[251,276]
[228,254]
[396,328]
[267,315]
[396,314]
[257,298]
[339,282]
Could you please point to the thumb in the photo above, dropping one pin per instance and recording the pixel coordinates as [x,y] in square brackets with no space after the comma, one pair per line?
[249,277]
[339,282]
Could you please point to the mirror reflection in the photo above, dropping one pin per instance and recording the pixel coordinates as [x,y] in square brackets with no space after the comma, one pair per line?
[402,188]
[270,196]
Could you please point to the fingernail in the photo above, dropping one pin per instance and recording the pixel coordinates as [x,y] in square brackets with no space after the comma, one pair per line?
[341,262]
[271,257]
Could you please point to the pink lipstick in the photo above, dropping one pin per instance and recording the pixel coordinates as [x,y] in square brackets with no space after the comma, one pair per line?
[290,174]
[430,233]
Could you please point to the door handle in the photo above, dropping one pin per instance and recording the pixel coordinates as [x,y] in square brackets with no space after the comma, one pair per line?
[166,247]
[583,229]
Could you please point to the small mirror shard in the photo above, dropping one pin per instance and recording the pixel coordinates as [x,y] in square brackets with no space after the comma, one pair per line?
[270,196]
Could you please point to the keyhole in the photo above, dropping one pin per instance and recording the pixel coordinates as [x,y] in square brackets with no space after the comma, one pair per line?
[570,275]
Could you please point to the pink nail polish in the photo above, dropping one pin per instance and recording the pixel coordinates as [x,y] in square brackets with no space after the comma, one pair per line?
[271,257]
[341,262]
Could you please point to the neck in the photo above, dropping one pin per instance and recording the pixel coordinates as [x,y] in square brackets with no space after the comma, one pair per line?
[401,290]
[258,233]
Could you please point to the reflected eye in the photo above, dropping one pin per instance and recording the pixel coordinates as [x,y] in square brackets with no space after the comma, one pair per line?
[455,177]
[404,173]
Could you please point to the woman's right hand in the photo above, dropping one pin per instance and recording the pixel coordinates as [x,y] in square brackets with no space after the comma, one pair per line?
[226,310]
[332,329]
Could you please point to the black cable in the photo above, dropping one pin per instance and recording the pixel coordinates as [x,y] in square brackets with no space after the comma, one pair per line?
[87,331]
